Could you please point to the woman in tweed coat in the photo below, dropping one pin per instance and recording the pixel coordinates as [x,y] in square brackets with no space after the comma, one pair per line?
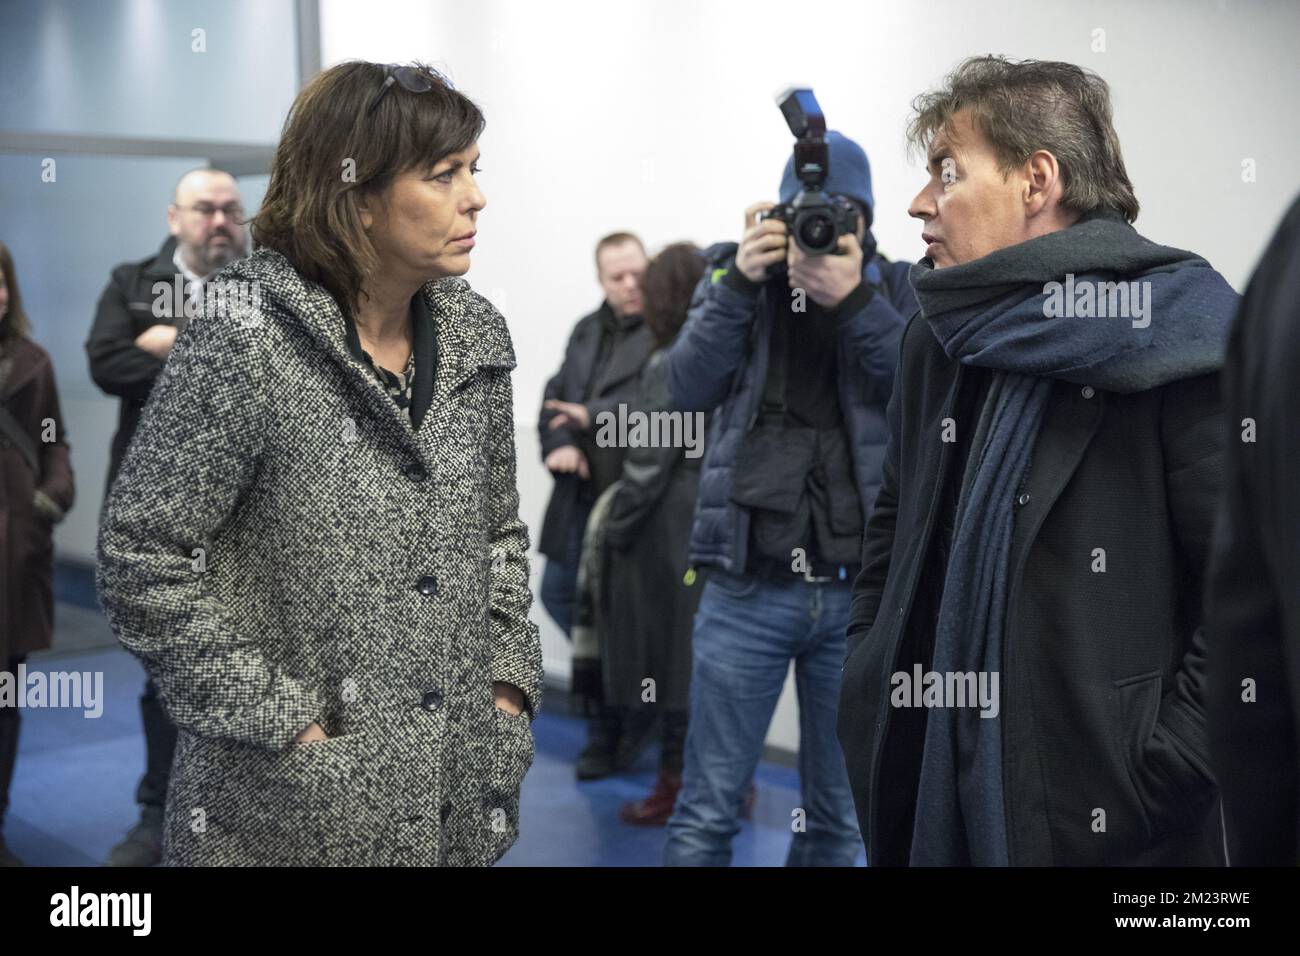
[314,543]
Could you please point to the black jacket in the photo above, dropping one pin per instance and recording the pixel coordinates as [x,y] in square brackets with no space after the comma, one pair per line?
[650,610]
[574,382]
[117,365]
[1253,601]
[1101,688]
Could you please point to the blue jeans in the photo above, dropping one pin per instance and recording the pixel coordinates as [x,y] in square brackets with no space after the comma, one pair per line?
[559,591]
[747,631]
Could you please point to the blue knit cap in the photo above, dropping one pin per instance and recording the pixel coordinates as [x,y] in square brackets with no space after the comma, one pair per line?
[850,174]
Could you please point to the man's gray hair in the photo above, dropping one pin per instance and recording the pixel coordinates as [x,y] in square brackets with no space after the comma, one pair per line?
[1023,106]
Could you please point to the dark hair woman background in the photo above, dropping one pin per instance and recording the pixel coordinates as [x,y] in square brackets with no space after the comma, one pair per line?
[36,491]
[314,542]
[647,531]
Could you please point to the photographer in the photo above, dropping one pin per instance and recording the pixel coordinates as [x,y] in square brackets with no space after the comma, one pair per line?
[799,366]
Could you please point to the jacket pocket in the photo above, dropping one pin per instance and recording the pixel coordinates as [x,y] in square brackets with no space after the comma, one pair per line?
[1172,793]
[233,804]
[732,585]
[513,752]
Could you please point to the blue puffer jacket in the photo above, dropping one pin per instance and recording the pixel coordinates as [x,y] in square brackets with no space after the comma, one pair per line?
[719,360]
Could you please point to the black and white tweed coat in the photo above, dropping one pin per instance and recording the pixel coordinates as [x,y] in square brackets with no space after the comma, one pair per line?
[281,546]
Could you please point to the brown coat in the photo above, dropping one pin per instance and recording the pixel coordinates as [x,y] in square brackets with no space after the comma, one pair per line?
[28,391]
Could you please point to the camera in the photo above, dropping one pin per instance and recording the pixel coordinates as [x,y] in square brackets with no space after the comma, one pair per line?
[814,217]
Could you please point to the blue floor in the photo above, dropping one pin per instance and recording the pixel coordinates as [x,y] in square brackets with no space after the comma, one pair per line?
[74,787]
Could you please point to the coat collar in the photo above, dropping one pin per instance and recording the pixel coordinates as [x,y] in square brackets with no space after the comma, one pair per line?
[424,348]
[469,332]
[27,362]
[163,265]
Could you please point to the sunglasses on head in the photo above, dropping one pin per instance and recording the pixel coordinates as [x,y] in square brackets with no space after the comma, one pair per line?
[410,78]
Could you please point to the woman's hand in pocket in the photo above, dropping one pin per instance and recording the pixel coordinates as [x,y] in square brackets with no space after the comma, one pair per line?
[509,698]
[312,734]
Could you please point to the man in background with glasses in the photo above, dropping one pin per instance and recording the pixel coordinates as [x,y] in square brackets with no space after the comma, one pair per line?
[139,316]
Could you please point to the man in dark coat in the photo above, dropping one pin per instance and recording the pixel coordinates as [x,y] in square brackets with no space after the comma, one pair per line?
[1253,601]
[143,308]
[602,365]
[1024,682]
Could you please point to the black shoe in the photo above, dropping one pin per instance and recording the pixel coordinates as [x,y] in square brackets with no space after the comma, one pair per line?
[143,843]
[597,758]
[638,728]
[594,763]
[6,856]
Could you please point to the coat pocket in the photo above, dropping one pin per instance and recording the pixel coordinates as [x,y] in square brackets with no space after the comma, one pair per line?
[735,586]
[234,804]
[513,753]
[1172,794]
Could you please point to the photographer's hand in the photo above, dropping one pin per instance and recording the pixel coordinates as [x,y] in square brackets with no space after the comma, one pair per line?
[762,244]
[828,280]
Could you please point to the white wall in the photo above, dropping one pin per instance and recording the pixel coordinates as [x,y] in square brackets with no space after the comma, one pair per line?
[657,116]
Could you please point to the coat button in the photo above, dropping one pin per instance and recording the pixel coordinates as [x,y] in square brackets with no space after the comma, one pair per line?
[415,471]
[1088,391]
[1022,500]
[432,700]
[427,585]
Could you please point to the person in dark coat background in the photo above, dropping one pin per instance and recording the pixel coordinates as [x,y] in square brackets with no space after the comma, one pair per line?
[647,534]
[141,311]
[36,492]
[1253,598]
[1045,515]
[602,361]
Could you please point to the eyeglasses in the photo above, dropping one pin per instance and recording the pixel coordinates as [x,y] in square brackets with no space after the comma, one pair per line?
[412,79]
[205,209]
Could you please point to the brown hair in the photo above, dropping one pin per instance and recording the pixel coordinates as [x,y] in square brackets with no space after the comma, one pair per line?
[1024,106]
[14,325]
[332,156]
[615,239]
[666,288]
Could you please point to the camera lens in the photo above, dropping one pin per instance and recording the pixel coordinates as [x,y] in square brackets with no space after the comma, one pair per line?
[817,232]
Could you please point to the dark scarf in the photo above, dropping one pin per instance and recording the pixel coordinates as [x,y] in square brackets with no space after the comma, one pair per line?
[993,313]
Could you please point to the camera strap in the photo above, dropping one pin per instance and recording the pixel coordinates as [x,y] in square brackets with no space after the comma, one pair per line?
[773,406]
[778,364]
